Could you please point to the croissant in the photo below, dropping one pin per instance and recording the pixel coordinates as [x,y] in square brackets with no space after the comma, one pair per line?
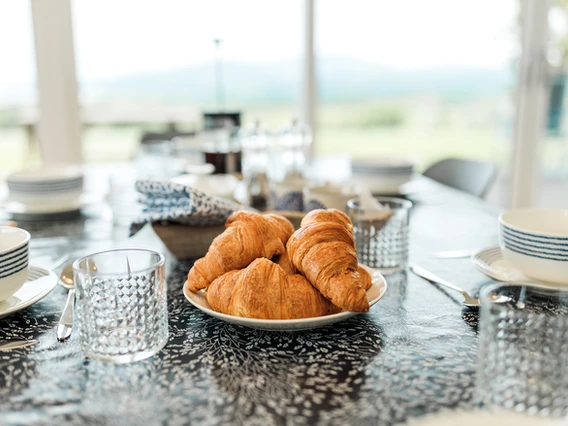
[366,279]
[263,290]
[247,236]
[329,215]
[323,250]
[284,261]
[334,215]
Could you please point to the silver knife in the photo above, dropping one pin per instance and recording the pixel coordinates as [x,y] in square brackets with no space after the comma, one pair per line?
[16,344]
[454,254]
[65,325]
[429,276]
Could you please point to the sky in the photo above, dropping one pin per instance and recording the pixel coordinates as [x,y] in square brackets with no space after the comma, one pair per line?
[122,37]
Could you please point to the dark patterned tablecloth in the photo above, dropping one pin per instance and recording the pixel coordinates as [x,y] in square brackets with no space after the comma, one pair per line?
[413,353]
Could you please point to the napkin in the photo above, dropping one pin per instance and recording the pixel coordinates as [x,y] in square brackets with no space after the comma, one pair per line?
[175,202]
[374,211]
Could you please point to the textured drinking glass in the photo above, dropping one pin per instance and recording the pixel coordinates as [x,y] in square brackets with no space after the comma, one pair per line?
[381,236]
[523,349]
[121,304]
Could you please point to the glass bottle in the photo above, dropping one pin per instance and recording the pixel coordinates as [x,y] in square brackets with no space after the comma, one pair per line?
[254,145]
[293,145]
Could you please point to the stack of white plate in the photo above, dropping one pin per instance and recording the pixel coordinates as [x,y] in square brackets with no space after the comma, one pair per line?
[46,189]
[382,175]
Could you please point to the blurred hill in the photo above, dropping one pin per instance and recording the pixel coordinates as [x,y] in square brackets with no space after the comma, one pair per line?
[340,80]
[246,84]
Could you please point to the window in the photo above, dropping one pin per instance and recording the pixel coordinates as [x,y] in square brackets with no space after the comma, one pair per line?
[18,95]
[142,65]
[429,79]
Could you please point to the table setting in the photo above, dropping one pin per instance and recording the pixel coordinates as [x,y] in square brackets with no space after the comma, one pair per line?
[358,301]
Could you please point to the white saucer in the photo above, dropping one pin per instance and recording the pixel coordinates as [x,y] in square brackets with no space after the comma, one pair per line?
[374,294]
[33,211]
[39,284]
[16,207]
[490,262]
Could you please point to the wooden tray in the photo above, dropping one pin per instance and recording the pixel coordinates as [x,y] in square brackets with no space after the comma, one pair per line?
[191,242]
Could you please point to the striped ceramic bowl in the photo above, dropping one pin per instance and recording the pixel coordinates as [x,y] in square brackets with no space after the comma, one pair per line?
[14,255]
[535,241]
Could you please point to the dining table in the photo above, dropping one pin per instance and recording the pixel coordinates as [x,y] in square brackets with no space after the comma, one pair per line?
[413,354]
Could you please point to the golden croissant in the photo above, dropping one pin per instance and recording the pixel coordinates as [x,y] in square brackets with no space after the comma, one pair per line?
[329,215]
[247,236]
[334,215]
[323,250]
[263,290]
[366,279]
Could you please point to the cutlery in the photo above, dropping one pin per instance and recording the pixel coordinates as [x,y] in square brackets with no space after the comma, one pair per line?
[469,301]
[66,280]
[17,344]
[454,254]
[429,276]
[65,325]
[59,261]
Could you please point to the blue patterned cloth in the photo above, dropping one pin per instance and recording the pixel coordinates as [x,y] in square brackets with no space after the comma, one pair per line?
[174,202]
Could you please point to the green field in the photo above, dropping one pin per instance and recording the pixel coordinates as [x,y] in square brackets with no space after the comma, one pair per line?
[427,129]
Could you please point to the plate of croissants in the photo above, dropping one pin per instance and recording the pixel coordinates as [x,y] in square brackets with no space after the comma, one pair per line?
[262,273]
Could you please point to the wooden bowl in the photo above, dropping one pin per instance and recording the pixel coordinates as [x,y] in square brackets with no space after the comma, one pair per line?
[192,242]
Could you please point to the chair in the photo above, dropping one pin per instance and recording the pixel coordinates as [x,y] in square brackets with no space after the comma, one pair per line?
[473,177]
[168,135]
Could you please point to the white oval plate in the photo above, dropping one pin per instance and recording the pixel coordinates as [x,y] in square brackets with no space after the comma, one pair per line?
[374,294]
[40,283]
[490,262]
[54,207]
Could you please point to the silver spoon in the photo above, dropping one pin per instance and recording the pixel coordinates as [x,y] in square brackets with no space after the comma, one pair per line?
[469,301]
[65,325]
[66,280]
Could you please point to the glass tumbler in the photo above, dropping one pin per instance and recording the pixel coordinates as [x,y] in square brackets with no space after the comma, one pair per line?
[121,304]
[381,236]
[523,349]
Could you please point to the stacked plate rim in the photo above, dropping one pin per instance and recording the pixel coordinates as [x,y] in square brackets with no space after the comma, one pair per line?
[46,189]
[54,186]
[383,175]
[383,166]
[46,179]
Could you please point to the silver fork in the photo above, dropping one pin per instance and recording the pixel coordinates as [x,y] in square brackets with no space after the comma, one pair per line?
[17,344]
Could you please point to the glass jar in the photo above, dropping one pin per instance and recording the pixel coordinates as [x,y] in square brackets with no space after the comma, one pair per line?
[254,142]
[293,146]
[221,148]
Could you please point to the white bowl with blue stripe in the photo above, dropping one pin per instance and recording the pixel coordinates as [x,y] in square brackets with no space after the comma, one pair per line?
[14,257]
[535,241]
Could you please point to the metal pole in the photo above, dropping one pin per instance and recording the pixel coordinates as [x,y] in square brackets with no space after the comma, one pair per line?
[531,103]
[219,75]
